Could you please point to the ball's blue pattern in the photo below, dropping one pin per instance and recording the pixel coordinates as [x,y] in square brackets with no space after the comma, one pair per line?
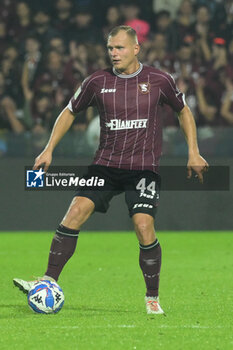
[49,301]
[58,309]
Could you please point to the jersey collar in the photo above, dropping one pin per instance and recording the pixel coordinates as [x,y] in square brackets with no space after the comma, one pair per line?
[128,75]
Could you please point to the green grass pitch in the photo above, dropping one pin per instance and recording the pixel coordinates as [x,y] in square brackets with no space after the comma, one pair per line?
[104,294]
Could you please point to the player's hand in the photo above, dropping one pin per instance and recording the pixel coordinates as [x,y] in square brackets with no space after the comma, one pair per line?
[43,160]
[199,165]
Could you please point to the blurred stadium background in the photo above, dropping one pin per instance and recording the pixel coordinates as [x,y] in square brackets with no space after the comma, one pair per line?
[48,47]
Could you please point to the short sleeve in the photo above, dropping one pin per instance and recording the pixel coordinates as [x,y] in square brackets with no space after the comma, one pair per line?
[83,97]
[170,94]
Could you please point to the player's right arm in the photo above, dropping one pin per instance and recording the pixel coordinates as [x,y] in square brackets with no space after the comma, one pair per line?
[82,99]
[61,126]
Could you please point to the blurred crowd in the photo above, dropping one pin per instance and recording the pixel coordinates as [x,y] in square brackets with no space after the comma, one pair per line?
[48,47]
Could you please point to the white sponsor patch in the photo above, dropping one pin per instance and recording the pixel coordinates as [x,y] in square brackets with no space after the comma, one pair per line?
[118,124]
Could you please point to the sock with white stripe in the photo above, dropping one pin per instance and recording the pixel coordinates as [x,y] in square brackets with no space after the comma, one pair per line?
[150,263]
[62,248]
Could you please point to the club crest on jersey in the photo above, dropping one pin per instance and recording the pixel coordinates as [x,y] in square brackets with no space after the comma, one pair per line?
[144,88]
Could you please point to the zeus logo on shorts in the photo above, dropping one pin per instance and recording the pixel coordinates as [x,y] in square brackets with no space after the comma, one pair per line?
[142,205]
[118,124]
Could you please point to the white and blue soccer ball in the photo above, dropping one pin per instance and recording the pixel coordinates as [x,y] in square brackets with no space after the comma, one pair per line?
[46,297]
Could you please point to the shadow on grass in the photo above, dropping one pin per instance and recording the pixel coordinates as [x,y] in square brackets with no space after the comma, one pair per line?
[13,311]
[13,306]
[17,311]
[99,310]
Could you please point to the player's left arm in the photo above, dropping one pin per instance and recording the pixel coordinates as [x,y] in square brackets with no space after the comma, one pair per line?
[195,161]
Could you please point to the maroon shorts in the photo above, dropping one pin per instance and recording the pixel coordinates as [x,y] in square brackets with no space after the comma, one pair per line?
[141,188]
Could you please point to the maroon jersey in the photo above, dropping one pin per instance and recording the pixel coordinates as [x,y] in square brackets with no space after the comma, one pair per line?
[131,127]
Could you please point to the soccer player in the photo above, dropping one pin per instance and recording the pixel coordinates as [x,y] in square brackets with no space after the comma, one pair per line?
[127,97]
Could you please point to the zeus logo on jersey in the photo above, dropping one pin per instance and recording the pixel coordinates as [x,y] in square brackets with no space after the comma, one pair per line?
[118,124]
[35,178]
[103,91]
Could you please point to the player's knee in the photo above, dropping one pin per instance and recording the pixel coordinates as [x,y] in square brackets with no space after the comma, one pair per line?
[143,225]
[78,213]
[75,211]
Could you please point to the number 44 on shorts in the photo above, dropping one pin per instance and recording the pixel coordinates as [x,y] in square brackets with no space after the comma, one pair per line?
[141,186]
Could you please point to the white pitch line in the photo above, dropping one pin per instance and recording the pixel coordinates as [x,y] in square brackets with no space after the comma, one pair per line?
[133,326]
[193,326]
[107,326]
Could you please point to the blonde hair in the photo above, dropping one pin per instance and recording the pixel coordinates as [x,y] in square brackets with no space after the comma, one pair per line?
[127,29]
